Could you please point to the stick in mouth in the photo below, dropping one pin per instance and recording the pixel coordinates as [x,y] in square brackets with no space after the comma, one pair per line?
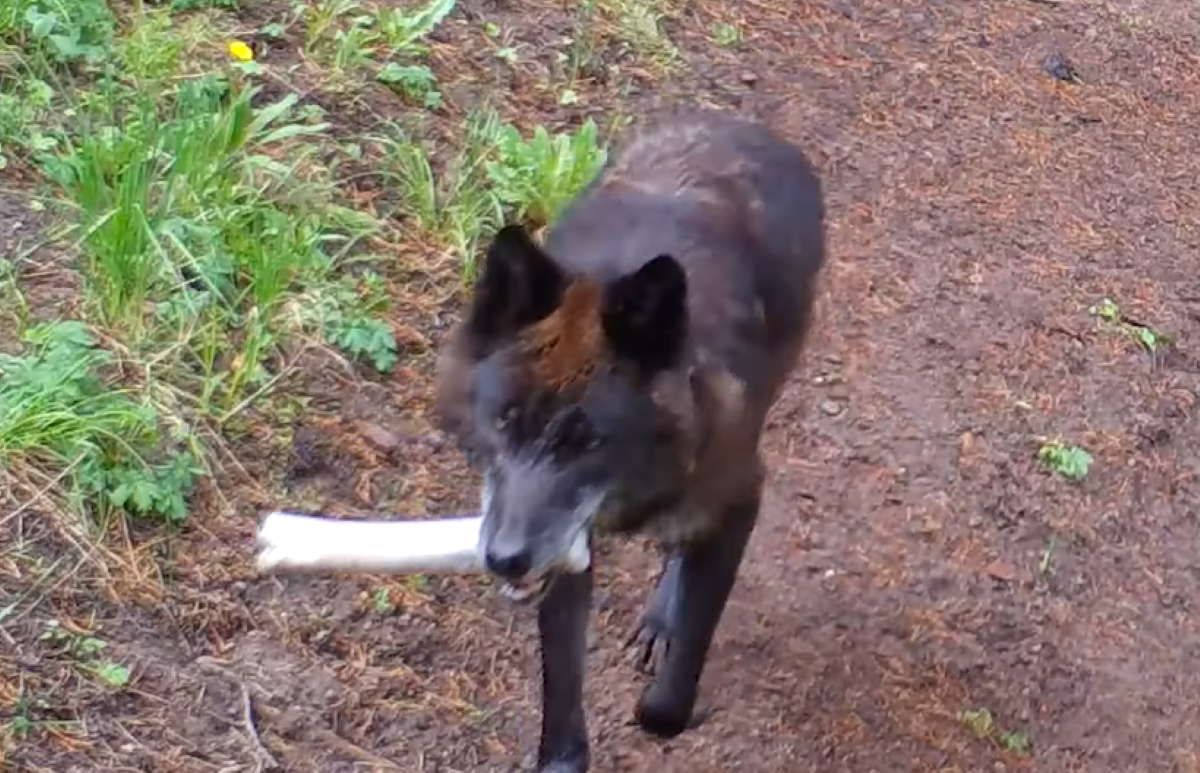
[294,543]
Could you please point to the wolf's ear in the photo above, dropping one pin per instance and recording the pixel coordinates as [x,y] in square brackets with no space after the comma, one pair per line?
[519,285]
[645,314]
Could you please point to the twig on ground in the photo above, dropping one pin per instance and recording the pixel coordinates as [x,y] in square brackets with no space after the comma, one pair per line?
[263,757]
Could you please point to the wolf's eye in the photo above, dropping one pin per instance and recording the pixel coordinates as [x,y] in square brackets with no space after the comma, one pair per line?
[506,417]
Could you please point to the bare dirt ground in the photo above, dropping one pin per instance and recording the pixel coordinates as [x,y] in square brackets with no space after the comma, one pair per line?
[915,560]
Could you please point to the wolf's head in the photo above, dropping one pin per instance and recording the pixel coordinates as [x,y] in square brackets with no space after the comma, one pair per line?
[576,399]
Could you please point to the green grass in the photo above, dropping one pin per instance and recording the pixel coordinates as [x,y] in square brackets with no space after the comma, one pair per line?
[208,233]
[347,36]
[496,173]
[207,242]
[454,207]
[110,446]
[638,26]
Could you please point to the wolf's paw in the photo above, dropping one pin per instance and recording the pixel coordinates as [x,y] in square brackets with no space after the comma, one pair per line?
[564,766]
[665,715]
[651,637]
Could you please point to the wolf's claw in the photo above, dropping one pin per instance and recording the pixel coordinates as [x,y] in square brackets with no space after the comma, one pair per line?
[651,637]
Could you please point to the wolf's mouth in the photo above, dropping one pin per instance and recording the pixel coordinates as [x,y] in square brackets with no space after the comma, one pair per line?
[528,591]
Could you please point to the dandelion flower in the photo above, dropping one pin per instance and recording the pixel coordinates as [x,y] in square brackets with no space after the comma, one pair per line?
[240,51]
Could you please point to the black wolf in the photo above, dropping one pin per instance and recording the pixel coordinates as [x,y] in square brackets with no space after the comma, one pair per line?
[616,378]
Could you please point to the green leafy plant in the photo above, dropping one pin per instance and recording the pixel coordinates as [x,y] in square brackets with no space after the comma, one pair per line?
[151,49]
[357,42]
[353,325]
[62,31]
[56,413]
[195,5]
[639,27]
[417,82]
[1017,743]
[405,29]
[191,232]
[24,104]
[87,649]
[1109,314]
[1069,461]
[1106,310]
[381,602]
[726,34]
[979,721]
[538,177]
[983,725]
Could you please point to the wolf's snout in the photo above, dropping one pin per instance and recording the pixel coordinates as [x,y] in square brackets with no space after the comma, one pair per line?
[509,564]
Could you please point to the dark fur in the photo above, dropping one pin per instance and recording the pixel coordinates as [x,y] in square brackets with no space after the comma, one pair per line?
[617,379]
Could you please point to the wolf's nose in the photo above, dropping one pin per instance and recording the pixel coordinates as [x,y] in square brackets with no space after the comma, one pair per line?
[510,566]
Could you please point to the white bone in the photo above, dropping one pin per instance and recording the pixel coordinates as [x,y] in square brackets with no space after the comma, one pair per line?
[300,543]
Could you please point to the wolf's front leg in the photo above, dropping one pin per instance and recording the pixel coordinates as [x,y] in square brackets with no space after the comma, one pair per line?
[562,623]
[652,635]
[691,596]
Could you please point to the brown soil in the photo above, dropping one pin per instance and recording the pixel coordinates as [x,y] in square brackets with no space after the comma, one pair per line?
[915,560]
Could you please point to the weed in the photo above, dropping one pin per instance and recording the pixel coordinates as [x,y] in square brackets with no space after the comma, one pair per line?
[355,44]
[26,718]
[404,30]
[12,300]
[151,51]
[24,104]
[1110,315]
[189,229]
[195,5]
[416,82]
[582,56]
[1046,565]
[59,31]
[57,414]
[1017,743]
[639,27]
[456,207]
[321,20]
[86,650]
[983,725]
[136,188]
[496,167]
[1106,310]
[352,324]
[1069,461]
[726,34]
[978,721]
[381,602]
[540,176]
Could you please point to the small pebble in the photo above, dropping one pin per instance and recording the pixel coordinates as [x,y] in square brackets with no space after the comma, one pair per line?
[1057,66]
[831,407]
[382,439]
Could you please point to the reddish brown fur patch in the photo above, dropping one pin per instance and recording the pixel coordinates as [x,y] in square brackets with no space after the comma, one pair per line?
[567,345]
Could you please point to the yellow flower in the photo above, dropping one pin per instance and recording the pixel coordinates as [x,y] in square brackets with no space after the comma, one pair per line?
[240,51]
